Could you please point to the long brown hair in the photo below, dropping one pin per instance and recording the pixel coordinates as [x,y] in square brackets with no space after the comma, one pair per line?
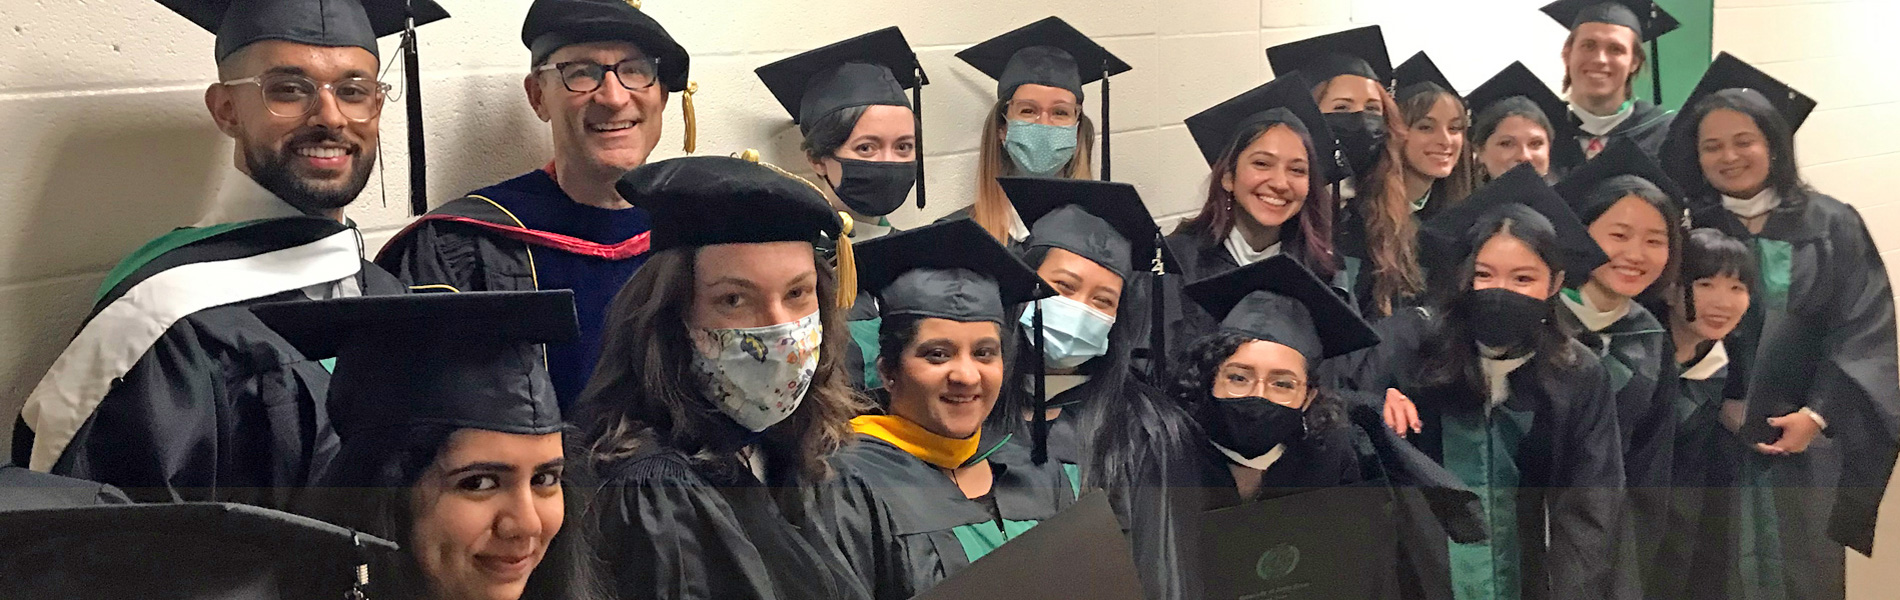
[1312,230]
[1391,236]
[991,209]
[643,392]
[1416,105]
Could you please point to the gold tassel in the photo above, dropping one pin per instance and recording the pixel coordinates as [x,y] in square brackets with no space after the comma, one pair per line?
[634,3]
[847,266]
[692,124]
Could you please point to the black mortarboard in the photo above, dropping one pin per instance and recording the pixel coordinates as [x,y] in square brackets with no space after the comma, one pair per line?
[1648,20]
[182,551]
[1451,234]
[465,360]
[1517,81]
[1102,221]
[1287,99]
[1417,70]
[871,69]
[552,24]
[950,270]
[1280,301]
[1047,52]
[1358,51]
[330,23]
[707,200]
[1728,72]
[1620,170]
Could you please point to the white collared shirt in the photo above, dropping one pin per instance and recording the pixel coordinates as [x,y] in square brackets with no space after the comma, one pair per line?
[1257,463]
[1497,372]
[1245,254]
[241,199]
[1018,231]
[1596,319]
[1710,364]
[1601,125]
[1749,208]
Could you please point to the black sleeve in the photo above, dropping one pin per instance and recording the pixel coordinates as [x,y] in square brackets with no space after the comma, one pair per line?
[667,535]
[1585,499]
[865,533]
[1855,387]
[1162,510]
[436,254]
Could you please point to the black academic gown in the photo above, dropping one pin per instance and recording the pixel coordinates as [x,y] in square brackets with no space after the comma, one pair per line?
[1701,543]
[1819,335]
[1647,126]
[1175,485]
[1197,256]
[904,526]
[686,528]
[25,489]
[218,407]
[1547,461]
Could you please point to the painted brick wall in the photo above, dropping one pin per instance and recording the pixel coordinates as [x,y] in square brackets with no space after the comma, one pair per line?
[1843,54]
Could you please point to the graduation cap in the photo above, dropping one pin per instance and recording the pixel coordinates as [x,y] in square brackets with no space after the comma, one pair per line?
[1279,300]
[461,359]
[1620,170]
[1047,52]
[1417,70]
[183,551]
[1645,17]
[707,200]
[330,23]
[871,69]
[1451,235]
[912,274]
[1358,51]
[1727,72]
[1517,81]
[1102,221]
[1287,99]
[552,24]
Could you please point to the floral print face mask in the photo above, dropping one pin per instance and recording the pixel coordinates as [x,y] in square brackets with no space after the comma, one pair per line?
[757,375]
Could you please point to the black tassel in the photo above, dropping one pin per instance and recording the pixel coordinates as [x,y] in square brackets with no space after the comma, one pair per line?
[1107,157]
[412,84]
[917,109]
[1655,71]
[1039,423]
[1158,335]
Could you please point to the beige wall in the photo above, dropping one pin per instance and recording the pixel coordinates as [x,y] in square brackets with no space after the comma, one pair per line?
[1844,54]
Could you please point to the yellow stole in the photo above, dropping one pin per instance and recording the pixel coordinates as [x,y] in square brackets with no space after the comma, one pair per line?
[943,452]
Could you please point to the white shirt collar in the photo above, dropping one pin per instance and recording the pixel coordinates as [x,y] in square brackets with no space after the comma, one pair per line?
[1257,463]
[1594,318]
[1497,373]
[1601,125]
[1244,254]
[1749,208]
[863,231]
[1710,364]
[241,199]
[1419,204]
[1018,231]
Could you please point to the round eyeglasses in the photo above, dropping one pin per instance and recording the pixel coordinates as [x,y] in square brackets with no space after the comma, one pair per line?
[291,96]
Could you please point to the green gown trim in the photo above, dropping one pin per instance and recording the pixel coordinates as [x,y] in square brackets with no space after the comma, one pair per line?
[979,539]
[1763,569]
[865,334]
[175,239]
[1777,272]
[1482,451]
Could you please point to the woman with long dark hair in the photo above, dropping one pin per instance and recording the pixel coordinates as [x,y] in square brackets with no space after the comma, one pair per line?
[721,392]
[924,491]
[1432,145]
[452,442]
[1816,352]
[1490,383]
[1037,127]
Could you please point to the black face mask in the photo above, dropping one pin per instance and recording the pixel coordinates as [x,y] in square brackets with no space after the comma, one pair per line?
[873,188]
[1361,138]
[1251,426]
[1504,319]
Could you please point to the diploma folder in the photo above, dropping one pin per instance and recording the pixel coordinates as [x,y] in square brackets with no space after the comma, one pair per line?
[1327,543]
[1079,553]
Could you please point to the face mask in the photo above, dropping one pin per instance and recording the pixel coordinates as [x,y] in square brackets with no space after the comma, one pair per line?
[1038,149]
[1252,426]
[873,188]
[757,375]
[1502,318]
[1072,333]
[1361,138]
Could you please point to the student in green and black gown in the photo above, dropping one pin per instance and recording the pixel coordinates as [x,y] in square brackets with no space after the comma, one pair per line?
[1603,55]
[1631,211]
[1815,357]
[1489,382]
[923,493]
[1702,538]
[860,136]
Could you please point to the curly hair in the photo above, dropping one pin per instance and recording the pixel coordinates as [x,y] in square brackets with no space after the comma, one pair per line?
[1391,232]
[1193,384]
[643,391]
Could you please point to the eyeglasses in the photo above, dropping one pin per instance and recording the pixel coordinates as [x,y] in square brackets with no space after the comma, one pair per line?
[1281,389]
[1061,114]
[291,96]
[583,77]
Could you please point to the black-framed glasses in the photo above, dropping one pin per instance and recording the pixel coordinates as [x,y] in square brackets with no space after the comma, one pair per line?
[291,96]
[582,77]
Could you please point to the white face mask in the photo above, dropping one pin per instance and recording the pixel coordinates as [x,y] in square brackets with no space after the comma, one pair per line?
[757,375]
[1072,332]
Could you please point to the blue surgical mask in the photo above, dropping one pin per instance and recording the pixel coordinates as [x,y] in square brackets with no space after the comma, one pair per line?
[1072,333]
[1037,149]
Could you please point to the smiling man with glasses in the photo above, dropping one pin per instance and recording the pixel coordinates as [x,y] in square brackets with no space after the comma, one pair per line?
[172,389]
[600,75]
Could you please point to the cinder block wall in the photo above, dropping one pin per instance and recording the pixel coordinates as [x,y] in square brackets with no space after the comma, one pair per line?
[1843,54]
